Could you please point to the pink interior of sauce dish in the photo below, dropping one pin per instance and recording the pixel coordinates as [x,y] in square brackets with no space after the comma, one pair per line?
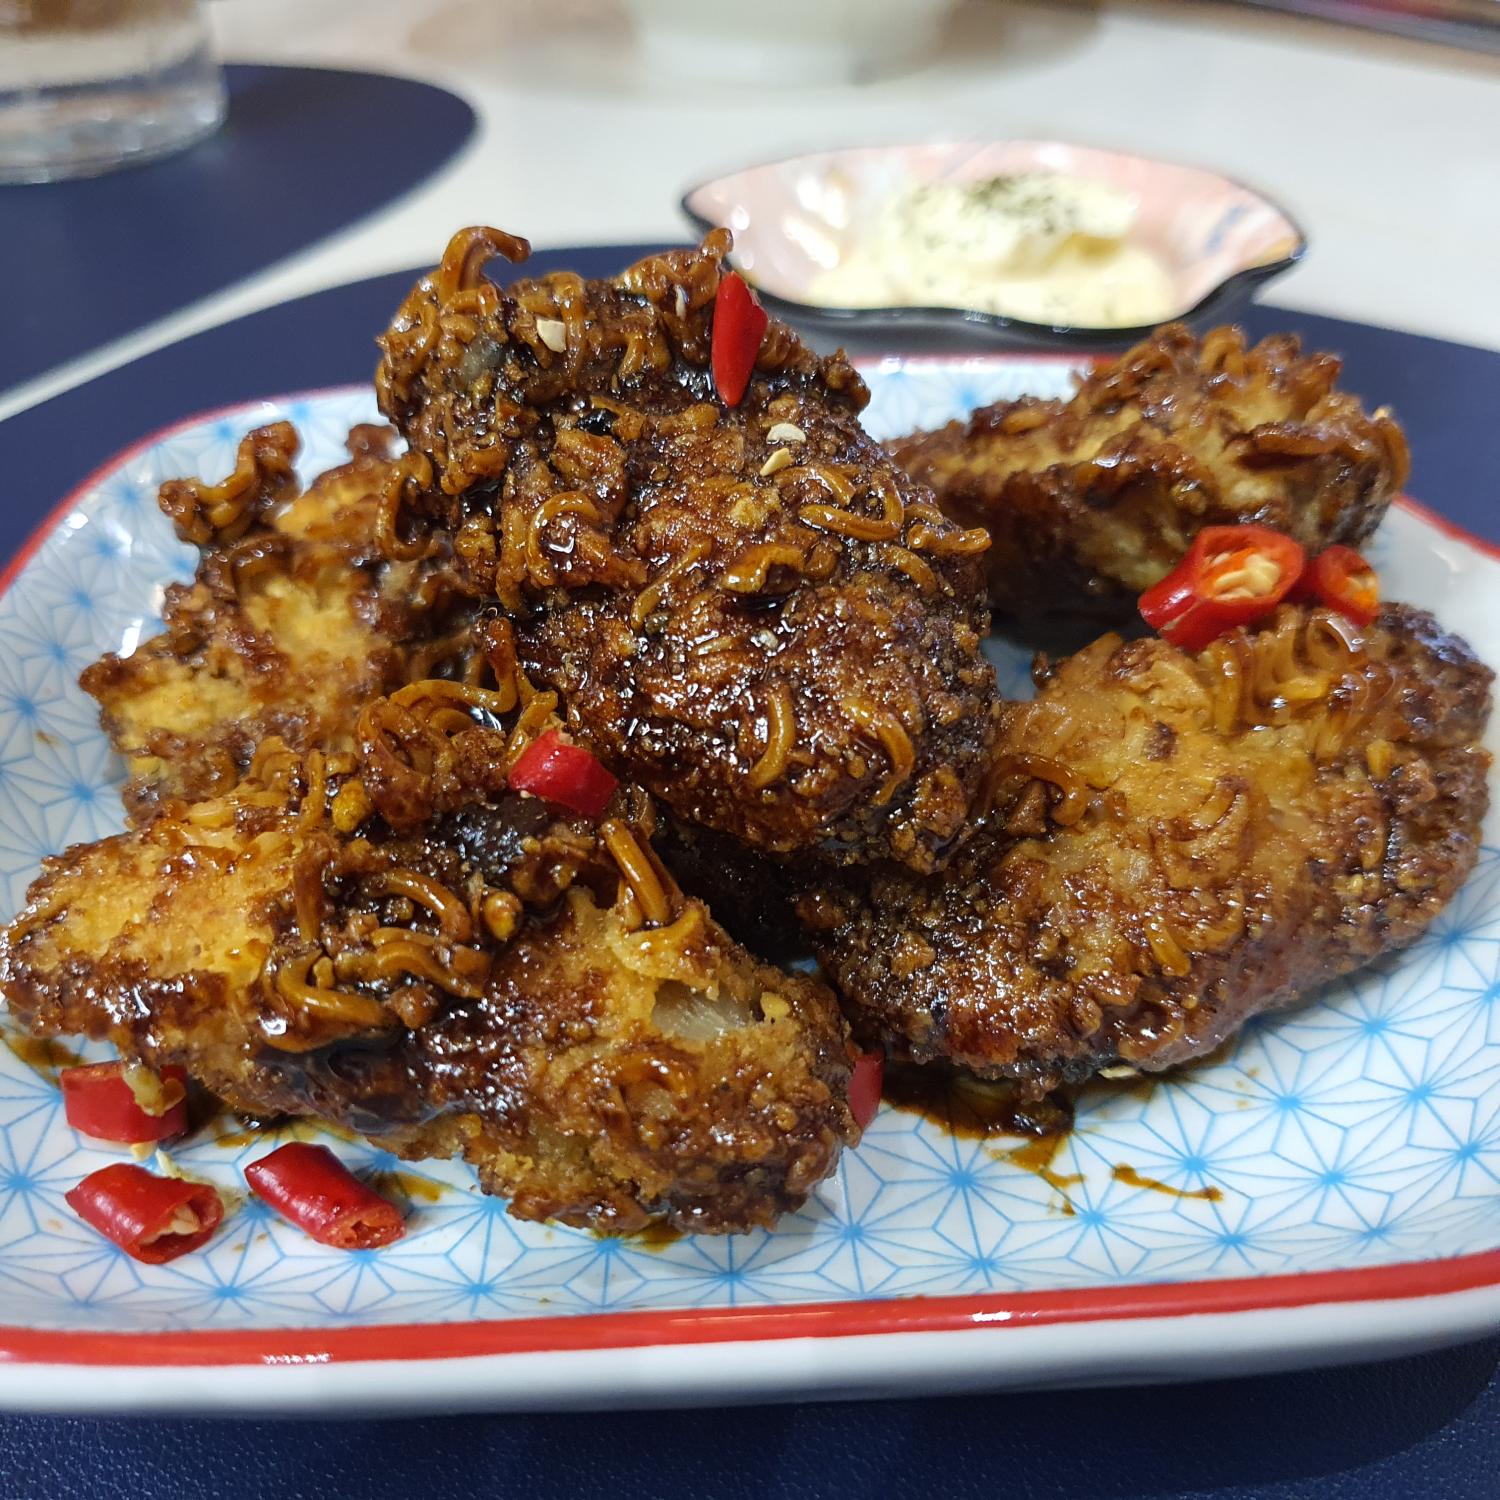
[796,218]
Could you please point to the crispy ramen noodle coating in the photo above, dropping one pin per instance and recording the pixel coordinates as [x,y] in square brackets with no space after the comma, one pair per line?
[1176,843]
[369,928]
[1089,502]
[294,620]
[483,985]
[332,901]
[748,610]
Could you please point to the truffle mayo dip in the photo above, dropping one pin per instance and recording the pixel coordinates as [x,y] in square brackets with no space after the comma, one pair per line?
[1041,246]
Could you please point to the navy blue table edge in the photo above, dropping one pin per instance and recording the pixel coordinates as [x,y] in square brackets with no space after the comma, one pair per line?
[326,149]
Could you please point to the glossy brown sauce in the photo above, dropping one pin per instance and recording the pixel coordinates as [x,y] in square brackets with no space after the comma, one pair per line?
[416,1189]
[41,1054]
[298,1130]
[978,1110]
[1037,1156]
[655,1237]
[1131,1178]
[972,1108]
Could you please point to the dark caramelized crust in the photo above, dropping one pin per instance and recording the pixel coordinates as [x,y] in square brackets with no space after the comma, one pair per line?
[335,906]
[206,514]
[750,611]
[294,620]
[523,990]
[1177,843]
[334,903]
[1088,502]
[752,894]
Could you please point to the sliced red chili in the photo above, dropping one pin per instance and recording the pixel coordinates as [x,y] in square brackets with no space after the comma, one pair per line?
[1341,579]
[566,774]
[311,1188]
[152,1219]
[865,1083]
[739,326]
[99,1101]
[1232,575]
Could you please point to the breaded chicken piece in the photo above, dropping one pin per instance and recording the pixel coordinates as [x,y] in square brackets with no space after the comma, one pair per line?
[748,610]
[294,621]
[335,905]
[450,969]
[1177,843]
[1089,502]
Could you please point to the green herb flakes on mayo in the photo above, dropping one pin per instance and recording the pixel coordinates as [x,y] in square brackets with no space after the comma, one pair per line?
[1040,246]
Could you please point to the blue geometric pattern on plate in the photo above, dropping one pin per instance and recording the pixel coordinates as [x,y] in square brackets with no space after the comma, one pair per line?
[1361,1129]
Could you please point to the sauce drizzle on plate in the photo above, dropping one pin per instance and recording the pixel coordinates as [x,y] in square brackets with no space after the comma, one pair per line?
[971,1107]
[1131,1178]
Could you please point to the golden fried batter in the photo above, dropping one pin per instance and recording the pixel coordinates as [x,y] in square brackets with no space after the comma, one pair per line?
[489,980]
[1177,843]
[1089,502]
[333,903]
[294,620]
[750,611]
[334,906]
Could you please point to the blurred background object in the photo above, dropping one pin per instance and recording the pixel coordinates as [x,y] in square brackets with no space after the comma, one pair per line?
[783,43]
[89,85]
[1459,23]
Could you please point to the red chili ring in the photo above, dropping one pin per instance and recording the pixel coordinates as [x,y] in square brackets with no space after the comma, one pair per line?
[740,324]
[152,1219]
[98,1102]
[1341,580]
[311,1188]
[1231,576]
[865,1084]
[565,774]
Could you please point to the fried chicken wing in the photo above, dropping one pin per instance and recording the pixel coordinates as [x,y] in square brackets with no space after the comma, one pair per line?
[333,904]
[447,967]
[294,621]
[1089,502]
[749,610]
[1176,843]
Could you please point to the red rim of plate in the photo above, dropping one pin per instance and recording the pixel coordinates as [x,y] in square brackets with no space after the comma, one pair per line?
[565,1333]
[577,1333]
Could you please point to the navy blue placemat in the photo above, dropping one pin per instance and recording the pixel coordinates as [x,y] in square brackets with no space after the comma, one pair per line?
[304,152]
[1428,1426]
[1411,1429]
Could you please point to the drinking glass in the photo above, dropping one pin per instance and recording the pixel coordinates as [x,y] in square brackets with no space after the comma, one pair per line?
[88,85]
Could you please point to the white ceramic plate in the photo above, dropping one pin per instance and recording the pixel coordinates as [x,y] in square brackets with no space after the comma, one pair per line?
[1353,1145]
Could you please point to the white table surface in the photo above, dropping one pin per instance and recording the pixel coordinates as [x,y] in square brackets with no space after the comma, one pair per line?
[1387,151]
